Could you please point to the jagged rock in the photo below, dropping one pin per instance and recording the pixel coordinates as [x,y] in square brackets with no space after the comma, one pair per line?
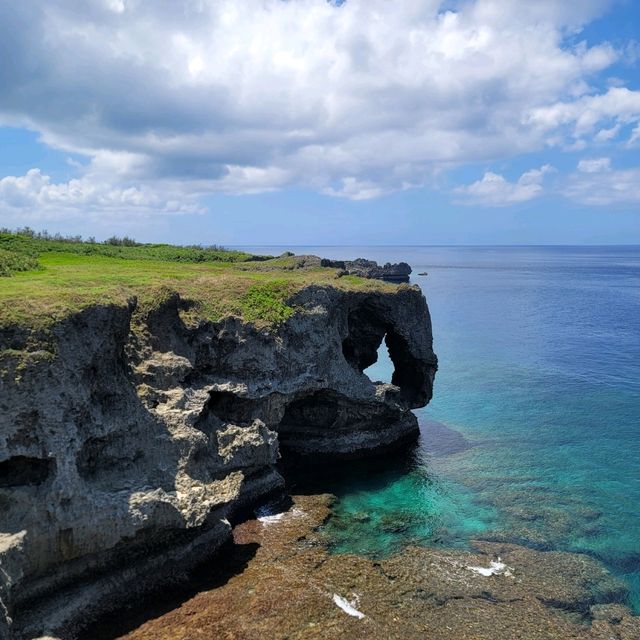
[369,269]
[360,267]
[126,450]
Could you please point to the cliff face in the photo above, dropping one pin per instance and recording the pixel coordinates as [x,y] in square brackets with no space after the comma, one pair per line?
[128,442]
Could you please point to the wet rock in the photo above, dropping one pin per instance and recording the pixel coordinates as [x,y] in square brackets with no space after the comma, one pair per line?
[361,516]
[293,589]
[613,613]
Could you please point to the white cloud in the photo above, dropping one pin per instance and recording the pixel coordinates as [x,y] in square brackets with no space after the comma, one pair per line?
[115,5]
[356,99]
[597,183]
[605,135]
[594,165]
[495,190]
[355,189]
[35,195]
[581,117]
[634,137]
[239,179]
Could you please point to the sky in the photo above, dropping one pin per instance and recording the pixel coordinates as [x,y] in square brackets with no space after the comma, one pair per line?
[353,122]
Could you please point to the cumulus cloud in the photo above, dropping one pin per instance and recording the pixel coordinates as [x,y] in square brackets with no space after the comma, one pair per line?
[36,193]
[597,183]
[353,99]
[580,118]
[495,190]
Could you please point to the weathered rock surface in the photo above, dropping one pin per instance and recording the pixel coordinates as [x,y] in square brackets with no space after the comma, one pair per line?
[369,269]
[291,588]
[129,438]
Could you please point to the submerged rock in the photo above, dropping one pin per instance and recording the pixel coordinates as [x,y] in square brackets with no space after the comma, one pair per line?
[124,454]
[291,587]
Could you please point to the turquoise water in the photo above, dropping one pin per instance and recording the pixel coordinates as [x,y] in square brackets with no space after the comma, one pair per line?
[533,435]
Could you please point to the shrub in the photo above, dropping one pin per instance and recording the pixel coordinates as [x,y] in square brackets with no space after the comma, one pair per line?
[10,262]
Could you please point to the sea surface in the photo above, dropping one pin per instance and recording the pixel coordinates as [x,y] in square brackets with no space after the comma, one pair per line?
[533,434]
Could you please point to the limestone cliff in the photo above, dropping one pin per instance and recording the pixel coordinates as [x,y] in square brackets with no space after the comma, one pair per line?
[129,437]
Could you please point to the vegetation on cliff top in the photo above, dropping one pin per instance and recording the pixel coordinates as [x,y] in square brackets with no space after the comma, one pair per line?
[26,241]
[50,277]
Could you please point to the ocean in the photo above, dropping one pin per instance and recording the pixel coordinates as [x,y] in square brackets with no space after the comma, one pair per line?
[533,434]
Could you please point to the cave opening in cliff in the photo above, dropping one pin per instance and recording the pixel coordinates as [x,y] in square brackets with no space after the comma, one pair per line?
[230,407]
[382,369]
[366,332]
[25,471]
[375,348]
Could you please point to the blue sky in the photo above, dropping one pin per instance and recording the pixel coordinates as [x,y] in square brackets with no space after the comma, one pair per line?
[310,122]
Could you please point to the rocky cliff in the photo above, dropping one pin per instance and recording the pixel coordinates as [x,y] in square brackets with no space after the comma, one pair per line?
[130,436]
[363,268]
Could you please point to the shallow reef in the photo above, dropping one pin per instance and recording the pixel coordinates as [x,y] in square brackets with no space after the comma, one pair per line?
[281,582]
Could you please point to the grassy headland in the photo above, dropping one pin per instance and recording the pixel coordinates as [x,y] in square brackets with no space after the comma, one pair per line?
[46,278]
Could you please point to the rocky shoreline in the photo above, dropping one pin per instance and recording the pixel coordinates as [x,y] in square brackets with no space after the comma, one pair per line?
[286,584]
[134,441]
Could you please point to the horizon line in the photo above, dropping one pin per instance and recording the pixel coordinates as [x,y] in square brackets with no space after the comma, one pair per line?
[633,244]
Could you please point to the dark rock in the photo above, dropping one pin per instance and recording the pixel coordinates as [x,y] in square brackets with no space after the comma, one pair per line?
[369,269]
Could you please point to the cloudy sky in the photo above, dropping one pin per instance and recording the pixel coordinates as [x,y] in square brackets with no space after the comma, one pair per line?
[317,122]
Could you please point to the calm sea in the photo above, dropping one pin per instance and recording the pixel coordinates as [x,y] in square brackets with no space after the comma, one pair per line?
[533,435]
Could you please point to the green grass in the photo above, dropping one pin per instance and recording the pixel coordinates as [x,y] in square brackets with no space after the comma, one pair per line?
[267,301]
[79,275]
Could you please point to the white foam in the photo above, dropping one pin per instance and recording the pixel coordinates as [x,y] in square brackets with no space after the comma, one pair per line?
[348,607]
[265,516]
[495,568]
[270,519]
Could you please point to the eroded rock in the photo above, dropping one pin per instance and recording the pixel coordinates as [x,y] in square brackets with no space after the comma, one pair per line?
[399,272]
[125,452]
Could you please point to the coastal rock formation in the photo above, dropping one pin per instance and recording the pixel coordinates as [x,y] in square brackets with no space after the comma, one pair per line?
[360,267]
[129,437]
[399,272]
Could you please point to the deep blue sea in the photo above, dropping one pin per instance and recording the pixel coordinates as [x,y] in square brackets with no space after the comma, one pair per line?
[533,434]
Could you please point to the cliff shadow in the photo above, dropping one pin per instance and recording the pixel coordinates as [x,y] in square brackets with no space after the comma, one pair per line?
[306,477]
[230,560]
